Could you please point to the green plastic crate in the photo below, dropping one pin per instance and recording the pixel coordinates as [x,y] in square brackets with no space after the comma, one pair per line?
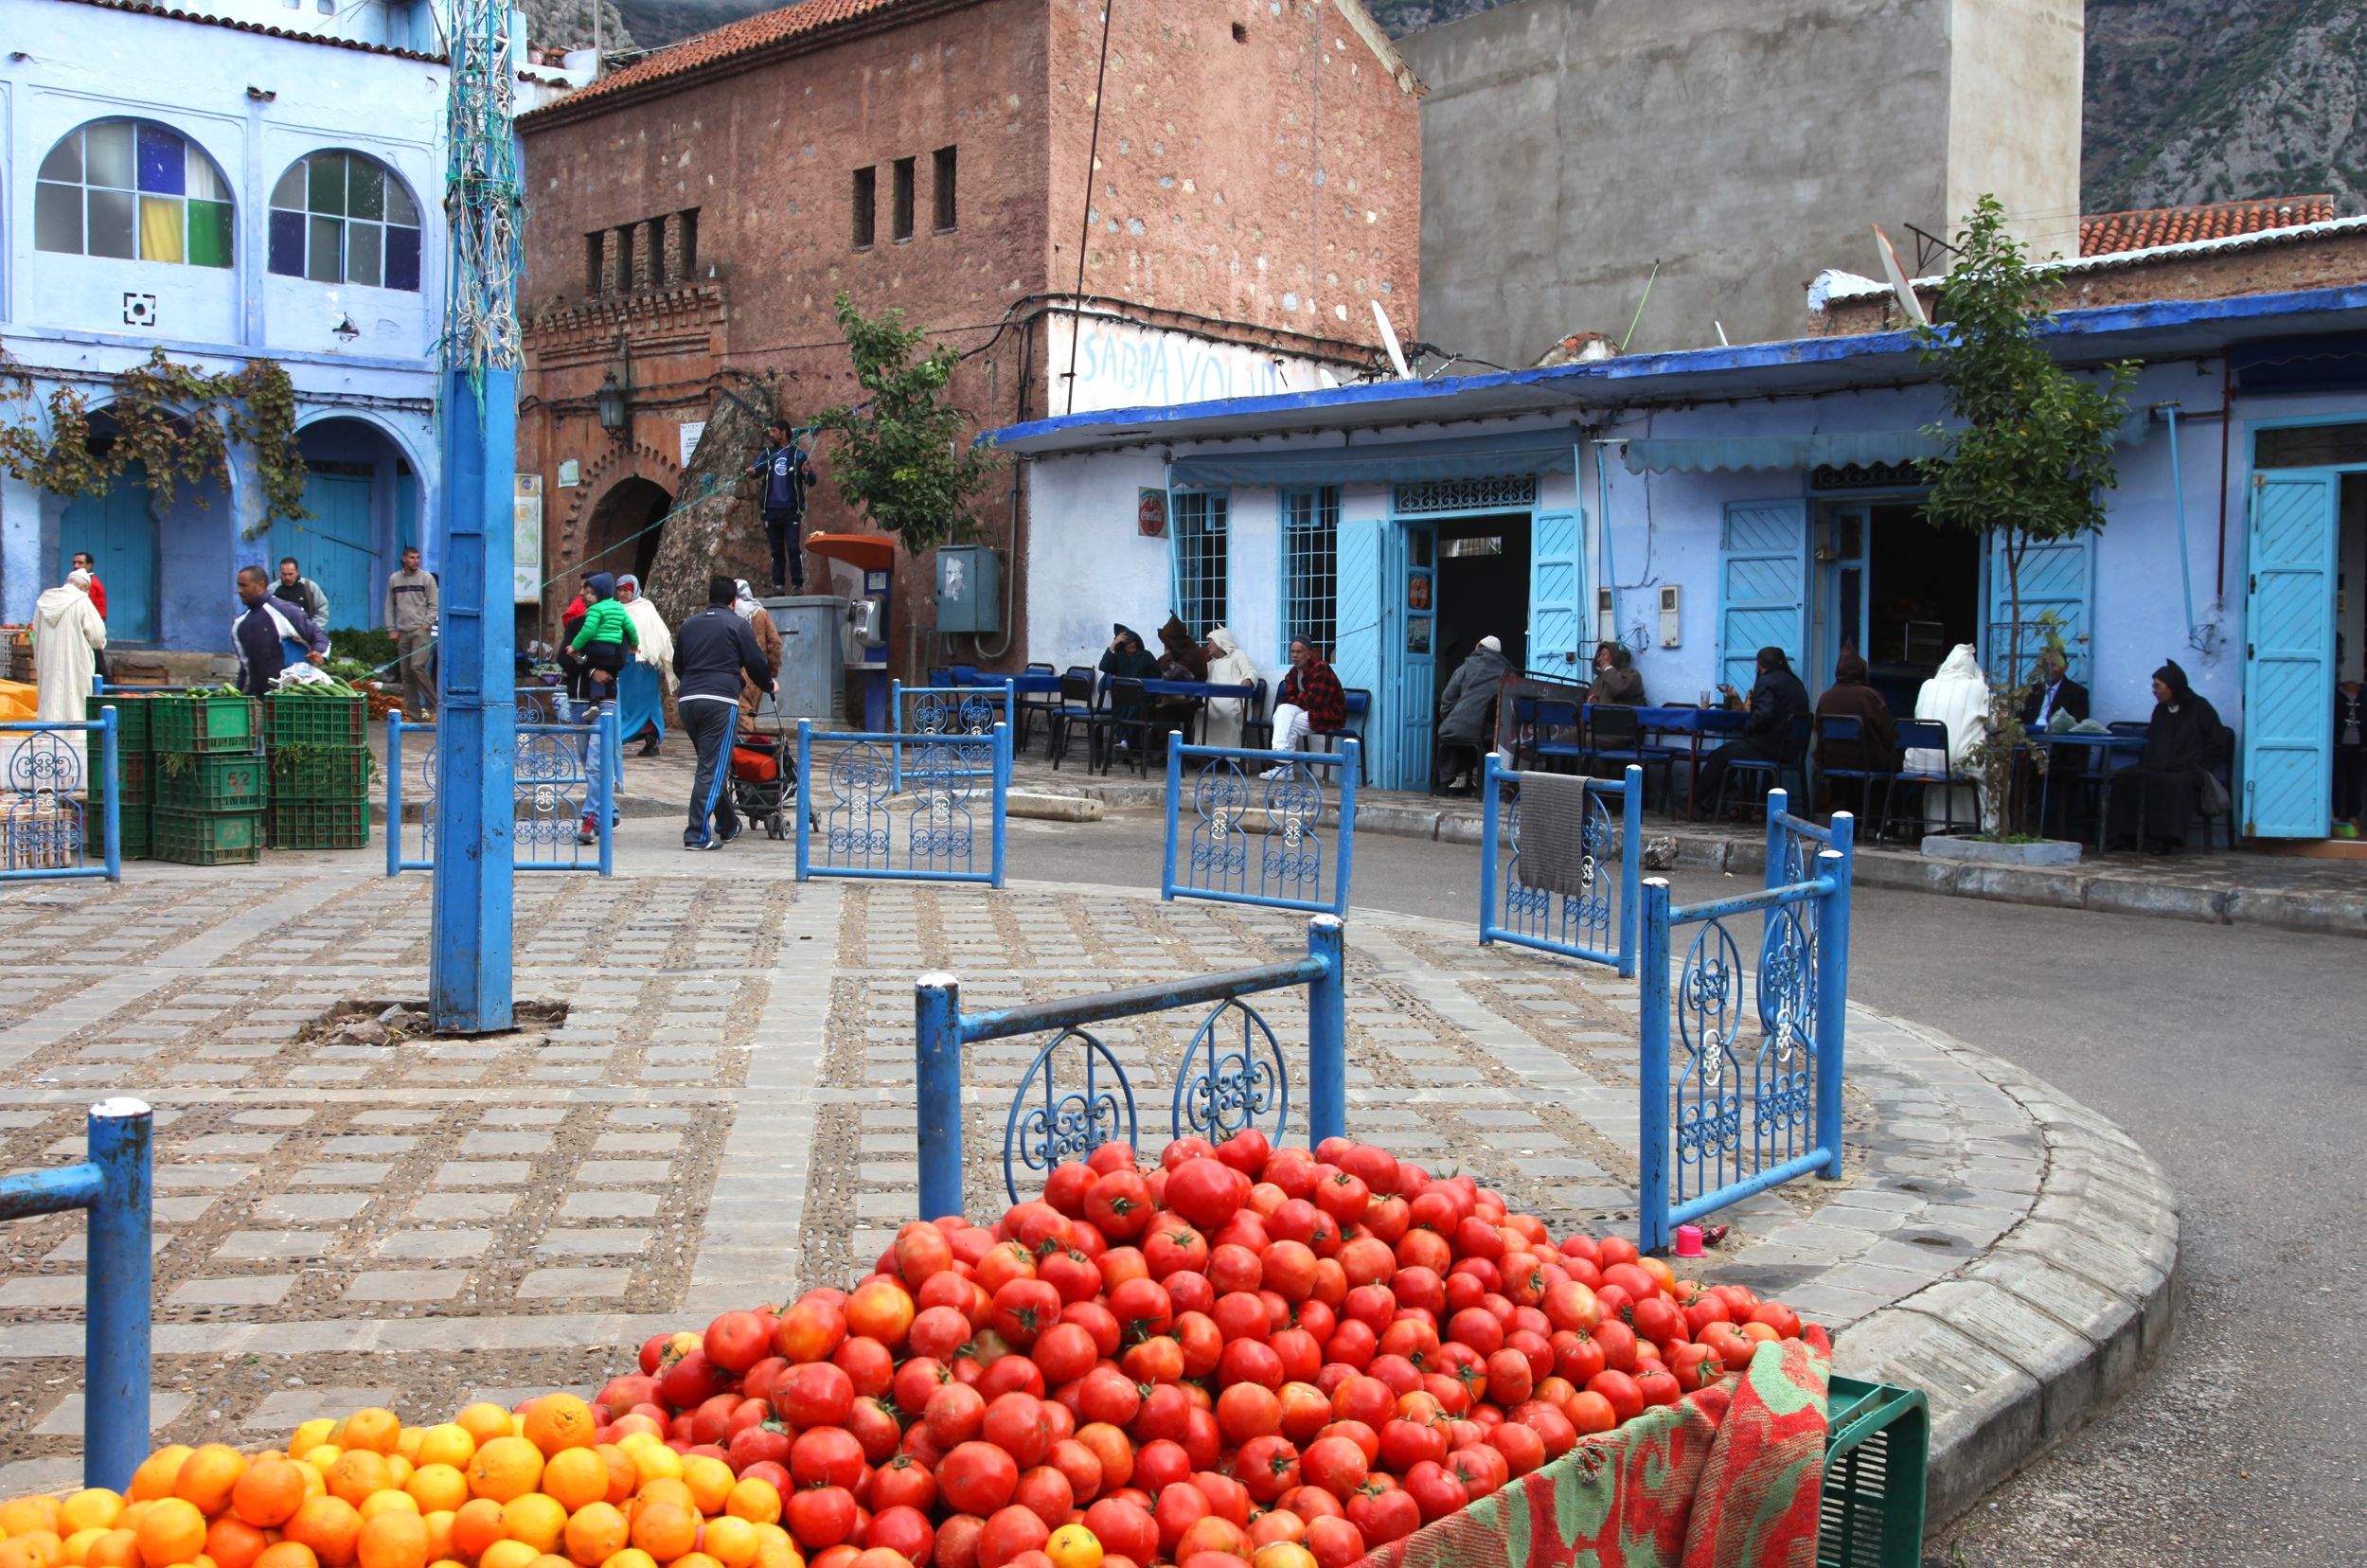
[224,781]
[310,773]
[320,824]
[189,724]
[206,838]
[131,831]
[137,770]
[1877,1443]
[131,731]
[340,722]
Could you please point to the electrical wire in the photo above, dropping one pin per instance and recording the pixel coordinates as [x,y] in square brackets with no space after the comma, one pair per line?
[1093,168]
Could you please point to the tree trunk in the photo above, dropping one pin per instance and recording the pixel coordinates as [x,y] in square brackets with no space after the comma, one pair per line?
[716,526]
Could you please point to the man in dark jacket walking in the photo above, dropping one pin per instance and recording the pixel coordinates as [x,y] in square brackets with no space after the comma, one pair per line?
[787,475]
[1777,698]
[713,650]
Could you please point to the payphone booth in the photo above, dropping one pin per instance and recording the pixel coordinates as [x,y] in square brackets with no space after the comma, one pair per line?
[863,571]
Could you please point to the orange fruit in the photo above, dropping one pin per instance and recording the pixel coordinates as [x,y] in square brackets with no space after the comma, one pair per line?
[322,1457]
[438,1488]
[757,1501]
[270,1493]
[33,1549]
[117,1548]
[76,1548]
[550,1560]
[699,1559]
[374,1428]
[439,1535]
[576,1477]
[232,1542]
[710,1480]
[776,1550]
[132,1513]
[655,1462]
[560,1421]
[157,1473]
[631,1557]
[287,1554]
[310,1435]
[93,1508]
[484,1421]
[329,1526]
[208,1476]
[394,1539]
[357,1473]
[663,1529]
[535,1519]
[475,1526]
[507,1553]
[25,1515]
[172,1531]
[505,1468]
[729,1542]
[622,1477]
[595,1534]
[388,1501]
[447,1444]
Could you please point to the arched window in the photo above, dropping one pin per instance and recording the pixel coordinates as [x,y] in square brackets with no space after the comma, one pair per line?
[135,190]
[345,218]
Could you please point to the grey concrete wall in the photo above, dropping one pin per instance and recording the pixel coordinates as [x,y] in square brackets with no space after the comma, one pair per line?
[1743,144]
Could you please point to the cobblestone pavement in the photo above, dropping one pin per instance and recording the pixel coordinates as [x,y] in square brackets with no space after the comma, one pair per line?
[724,1113]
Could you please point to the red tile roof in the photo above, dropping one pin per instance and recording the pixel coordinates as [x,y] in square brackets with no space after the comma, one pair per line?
[745,36]
[2105,233]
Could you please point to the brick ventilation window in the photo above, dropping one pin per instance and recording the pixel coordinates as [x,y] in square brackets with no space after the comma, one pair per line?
[903,199]
[941,189]
[1201,559]
[866,204]
[1310,583]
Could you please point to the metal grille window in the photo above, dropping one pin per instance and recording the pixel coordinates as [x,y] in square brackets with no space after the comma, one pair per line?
[1311,557]
[1200,561]
[1500,493]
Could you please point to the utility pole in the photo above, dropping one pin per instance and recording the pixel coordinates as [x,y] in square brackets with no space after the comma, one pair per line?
[477,717]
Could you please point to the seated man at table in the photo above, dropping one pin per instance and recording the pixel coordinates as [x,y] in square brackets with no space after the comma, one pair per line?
[1179,659]
[1126,659]
[1308,698]
[1463,712]
[1616,679]
[1776,699]
[2052,691]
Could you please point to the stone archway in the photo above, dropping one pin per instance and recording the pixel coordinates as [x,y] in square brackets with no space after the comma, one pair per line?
[574,541]
[622,530]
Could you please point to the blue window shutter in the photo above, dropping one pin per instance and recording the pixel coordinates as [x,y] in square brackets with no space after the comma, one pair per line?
[2288,659]
[1558,608]
[1762,586]
[1356,659]
[2057,578]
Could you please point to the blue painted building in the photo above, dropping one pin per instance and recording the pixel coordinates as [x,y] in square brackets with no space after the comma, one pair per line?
[1697,506]
[263,180]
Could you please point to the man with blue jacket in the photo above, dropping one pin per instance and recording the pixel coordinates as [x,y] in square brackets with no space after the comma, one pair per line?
[787,475]
[271,634]
[713,649]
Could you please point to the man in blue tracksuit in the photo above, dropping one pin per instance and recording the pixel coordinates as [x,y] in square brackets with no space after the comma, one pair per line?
[712,651]
[787,476]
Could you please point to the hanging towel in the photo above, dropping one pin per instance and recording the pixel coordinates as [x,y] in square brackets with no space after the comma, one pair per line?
[1553,834]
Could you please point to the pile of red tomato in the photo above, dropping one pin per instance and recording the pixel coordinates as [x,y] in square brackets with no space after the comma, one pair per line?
[1248,1356]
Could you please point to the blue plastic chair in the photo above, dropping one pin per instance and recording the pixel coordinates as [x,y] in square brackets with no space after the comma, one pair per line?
[1556,733]
[1616,741]
[1358,707]
[1922,735]
[1793,758]
[1843,729]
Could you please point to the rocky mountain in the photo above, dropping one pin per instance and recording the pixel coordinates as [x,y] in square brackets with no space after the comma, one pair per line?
[2188,101]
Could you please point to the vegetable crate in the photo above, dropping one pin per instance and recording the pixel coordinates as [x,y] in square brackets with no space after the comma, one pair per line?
[309,773]
[131,729]
[1877,1439]
[229,781]
[193,723]
[320,824]
[322,718]
[137,770]
[132,828]
[208,838]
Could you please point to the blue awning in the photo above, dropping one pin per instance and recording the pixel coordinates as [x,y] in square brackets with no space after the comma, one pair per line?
[1552,450]
[1707,454]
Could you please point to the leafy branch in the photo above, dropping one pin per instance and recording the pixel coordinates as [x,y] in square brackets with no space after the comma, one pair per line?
[903,454]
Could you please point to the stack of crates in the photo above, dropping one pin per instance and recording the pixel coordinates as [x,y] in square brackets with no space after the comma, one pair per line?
[320,771]
[209,780]
[135,780]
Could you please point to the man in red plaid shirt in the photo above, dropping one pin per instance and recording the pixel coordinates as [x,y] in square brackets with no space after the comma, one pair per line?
[1309,699]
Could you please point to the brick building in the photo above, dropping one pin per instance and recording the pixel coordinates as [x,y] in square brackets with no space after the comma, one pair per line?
[695,214]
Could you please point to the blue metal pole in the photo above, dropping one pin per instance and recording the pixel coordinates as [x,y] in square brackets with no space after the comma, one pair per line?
[1175,799]
[1653,1069]
[1352,750]
[1630,864]
[115,1337]
[1002,797]
[805,798]
[1328,1030]
[896,748]
[114,808]
[938,1108]
[1773,874]
[1832,989]
[394,793]
[1491,806]
[613,756]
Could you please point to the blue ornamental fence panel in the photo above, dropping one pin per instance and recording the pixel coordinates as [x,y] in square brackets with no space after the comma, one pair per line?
[565,777]
[115,1184]
[1731,1110]
[902,808]
[44,834]
[1256,830]
[1234,1074]
[1597,922]
[927,712]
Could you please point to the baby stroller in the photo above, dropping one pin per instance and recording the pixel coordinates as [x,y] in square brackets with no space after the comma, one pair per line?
[764,779]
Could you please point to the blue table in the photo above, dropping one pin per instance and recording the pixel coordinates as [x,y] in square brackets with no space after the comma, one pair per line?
[1692,722]
[1034,683]
[2107,741]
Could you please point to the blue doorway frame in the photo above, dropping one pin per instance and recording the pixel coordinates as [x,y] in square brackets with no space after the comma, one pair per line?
[1405,689]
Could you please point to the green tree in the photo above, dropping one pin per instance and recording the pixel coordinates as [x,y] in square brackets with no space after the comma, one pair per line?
[2028,454]
[903,454]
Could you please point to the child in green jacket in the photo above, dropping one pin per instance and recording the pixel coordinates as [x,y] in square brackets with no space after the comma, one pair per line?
[607,641]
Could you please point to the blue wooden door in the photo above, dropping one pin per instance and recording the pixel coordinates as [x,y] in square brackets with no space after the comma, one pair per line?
[1762,586]
[2289,656]
[1410,658]
[2058,579]
[1356,659]
[336,546]
[121,535]
[1557,595]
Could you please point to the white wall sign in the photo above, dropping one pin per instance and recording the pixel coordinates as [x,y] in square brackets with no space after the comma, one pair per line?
[525,521]
[570,474]
[691,430]
[1124,364]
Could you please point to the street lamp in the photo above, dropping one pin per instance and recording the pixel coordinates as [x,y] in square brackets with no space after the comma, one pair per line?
[611,399]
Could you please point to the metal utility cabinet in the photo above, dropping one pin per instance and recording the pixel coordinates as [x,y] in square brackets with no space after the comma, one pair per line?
[812,627]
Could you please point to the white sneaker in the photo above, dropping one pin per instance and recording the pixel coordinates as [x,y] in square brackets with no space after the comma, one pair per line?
[1277,773]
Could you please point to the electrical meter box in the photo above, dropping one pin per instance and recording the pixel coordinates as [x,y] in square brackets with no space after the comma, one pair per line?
[970,588]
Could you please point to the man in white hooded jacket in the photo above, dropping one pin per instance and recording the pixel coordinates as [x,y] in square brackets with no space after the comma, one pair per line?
[68,635]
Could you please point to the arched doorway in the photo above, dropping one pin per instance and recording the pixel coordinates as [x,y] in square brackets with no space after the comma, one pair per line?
[619,536]
[365,504]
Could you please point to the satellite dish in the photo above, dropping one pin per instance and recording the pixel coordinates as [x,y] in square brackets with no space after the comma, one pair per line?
[1721,334]
[1898,276]
[1326,377]
[1389,342]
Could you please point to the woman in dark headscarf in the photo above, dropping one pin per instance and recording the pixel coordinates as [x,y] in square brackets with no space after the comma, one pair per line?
[1616,679]
[2183,743]
[1876,749]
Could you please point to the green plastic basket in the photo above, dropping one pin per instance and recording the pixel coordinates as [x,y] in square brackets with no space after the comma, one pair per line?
[132,733]
[337,723]
[308,774]
[132,829]
[189,724]
[136,771]
[1878,1440]
[208,838]
[320,824]
[226,781]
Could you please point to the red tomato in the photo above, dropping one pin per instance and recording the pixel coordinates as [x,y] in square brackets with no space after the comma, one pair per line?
[1779,1317]
[1618,1343]
[1246,1150]
[1552,1426]
[1107,1395]
[1016,1424]
[1118,1203]
[1344,1197]
[1071,1273]
[826,1456]
[1207,1192]
[1249,1361]
[1180,1505]
[902,1483]
[1189,1291]
[1065,1352]
[953,1414]
[977,1478]
[1405,1444]
[1481,1467]
[815,1395]
[1336,1465]
[903,1530]
[1658,1387]
[1109,1157]
[868,1364]
[1267,1467]
[1171,1246]
[957,1541]
[937,1333]
[1065,1187]
[1142,1308]
[1008,1532]
[1626,1398]
[1079,1464]
[1247,1410]
[1383,1516]
[1112,1450]
[1509,1377]
[1235,1268]
[1125,1528]
[821,1517]
[736,1341]
[750,1445]
[1365,1399]
[1334,1542]
[922,1252]
[1048,1493]
[1160,1464]
[1435,1490]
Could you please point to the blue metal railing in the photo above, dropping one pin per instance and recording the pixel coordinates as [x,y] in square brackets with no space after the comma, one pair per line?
[902,807]
[559,783]
[940,710]
[1265,821]
[1220,1088]
[41,833]
[115,1184]
[1713,1134]
[1596,923]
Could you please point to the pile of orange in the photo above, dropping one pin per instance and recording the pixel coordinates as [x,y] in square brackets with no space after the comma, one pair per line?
[491,1488]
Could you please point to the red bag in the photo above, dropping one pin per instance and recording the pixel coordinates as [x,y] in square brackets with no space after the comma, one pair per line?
[756,760]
